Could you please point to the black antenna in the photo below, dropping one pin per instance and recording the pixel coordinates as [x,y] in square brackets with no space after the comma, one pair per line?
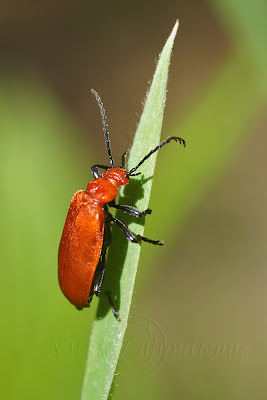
[177,139]
[105,126]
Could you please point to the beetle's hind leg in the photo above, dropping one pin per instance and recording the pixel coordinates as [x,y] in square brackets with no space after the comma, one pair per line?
[131,236]
[100,273]
[99,278]
[108,295]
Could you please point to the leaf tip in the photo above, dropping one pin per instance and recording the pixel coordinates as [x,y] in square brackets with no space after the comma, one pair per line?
[176,26]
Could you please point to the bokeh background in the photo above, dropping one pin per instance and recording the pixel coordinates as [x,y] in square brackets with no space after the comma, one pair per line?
[198,325]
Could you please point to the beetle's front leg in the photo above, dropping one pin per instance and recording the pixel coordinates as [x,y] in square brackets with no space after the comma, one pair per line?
[95,170]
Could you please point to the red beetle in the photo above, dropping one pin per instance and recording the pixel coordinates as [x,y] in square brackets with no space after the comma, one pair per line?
[86,234]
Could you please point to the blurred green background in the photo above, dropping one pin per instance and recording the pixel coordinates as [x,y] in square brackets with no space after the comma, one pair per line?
[198,325]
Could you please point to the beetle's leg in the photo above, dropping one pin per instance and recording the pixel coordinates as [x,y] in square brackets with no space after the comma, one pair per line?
[99,281]
[130,235]
[95,170]
[130,209]
[100,272]
[107,294]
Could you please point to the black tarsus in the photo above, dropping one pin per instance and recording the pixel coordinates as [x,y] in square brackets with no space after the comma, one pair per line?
[105,126]
[177,139]
[108,295]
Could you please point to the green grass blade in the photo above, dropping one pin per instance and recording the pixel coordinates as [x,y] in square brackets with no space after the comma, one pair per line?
[246,22]
[107,333]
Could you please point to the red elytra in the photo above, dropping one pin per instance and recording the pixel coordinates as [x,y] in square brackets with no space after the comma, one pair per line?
[86,235]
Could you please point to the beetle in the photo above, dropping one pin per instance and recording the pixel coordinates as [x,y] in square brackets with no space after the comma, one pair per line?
[86,234]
